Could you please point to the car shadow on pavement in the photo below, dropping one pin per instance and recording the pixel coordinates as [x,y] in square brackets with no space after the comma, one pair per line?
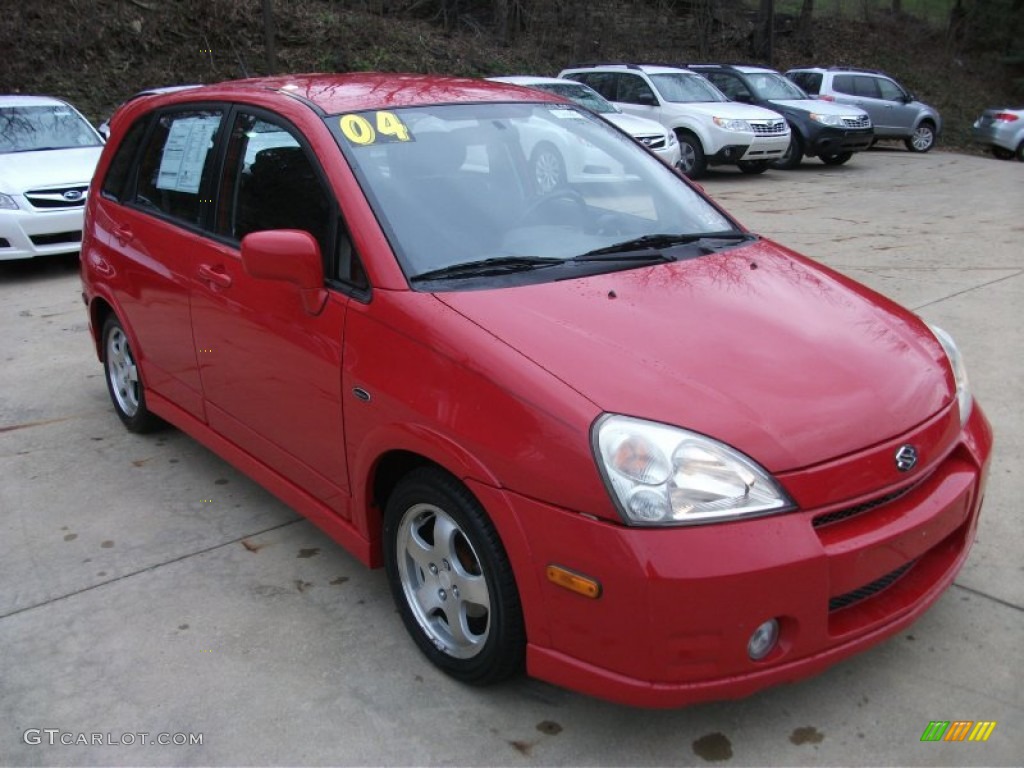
[42,268]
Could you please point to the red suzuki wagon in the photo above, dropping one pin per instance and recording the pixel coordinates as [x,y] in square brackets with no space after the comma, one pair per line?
[588,423]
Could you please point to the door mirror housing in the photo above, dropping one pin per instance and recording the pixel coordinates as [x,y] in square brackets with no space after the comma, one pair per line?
[291,256]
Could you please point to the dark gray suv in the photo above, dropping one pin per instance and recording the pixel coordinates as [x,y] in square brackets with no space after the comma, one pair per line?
[895,113]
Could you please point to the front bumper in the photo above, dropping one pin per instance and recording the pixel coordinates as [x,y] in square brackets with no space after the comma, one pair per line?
[26,234]
[678,606]
[833,141]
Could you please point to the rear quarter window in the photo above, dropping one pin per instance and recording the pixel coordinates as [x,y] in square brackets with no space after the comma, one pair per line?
[116,181]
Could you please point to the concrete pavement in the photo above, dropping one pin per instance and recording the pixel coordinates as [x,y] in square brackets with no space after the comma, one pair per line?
[147,587]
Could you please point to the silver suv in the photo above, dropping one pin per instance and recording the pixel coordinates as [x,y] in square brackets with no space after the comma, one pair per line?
[894,111]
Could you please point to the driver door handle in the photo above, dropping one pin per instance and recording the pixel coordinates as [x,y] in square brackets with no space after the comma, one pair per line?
[215,276]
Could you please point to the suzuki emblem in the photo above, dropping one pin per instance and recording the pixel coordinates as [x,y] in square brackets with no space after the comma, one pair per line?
[906,458]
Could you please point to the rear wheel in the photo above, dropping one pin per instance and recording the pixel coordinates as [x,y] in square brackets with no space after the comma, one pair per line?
[922,139]
[692,161]
[794,154]
[452,580]
[752,167]
[837,159]
[123,380]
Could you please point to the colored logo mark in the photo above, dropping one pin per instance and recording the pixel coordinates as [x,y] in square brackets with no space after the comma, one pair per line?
[958,730]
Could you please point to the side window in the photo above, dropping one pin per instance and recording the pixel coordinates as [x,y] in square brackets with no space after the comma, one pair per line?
[270,182]
[118,171]
[889,90]
[175,161]
[602,82]
[809,81]
[634,90]
[844,84]
[730,85]
[866,86]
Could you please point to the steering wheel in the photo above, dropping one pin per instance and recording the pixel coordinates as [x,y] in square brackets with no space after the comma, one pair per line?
[561,193]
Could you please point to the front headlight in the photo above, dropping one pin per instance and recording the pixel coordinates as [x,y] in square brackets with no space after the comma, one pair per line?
[964,399]
[8,203]
[662,475]
[730,124]
[836,121]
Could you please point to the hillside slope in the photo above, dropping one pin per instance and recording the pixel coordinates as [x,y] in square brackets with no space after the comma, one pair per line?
[97,53]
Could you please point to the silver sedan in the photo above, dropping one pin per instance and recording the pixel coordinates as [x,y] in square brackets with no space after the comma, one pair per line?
[1003,131]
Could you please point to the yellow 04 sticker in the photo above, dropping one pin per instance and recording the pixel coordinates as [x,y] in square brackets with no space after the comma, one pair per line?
[386,127]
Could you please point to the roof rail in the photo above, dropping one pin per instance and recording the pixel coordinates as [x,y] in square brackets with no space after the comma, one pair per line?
[627,64]
[857,69]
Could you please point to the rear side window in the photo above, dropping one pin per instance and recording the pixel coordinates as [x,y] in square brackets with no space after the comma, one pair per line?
[809,81]
[602,82]
[633,89]
[116,180]
[176,163]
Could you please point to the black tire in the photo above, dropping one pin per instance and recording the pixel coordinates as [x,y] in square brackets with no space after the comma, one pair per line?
[692,161]
[124,382]
[469,570]
[752,167]
[1020,151]
[1002,153]
[547,168]
[923,139]
[794,154]
[837,159]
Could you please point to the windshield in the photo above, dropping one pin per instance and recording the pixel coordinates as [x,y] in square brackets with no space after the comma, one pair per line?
[581,94]
[521,186]
[685,87]
[771,85]
[29,128]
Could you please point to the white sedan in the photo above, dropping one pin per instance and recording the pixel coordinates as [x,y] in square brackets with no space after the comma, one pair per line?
[651,134]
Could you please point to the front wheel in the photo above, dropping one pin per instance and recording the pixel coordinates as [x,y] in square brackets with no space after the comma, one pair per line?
[692,161]
[752,167]
[548,168]
[123,380]
[451,579]
[922,139]
[794,154]
[837,159]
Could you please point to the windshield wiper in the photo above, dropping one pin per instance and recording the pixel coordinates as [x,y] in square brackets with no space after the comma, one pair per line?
[498,265]
[642,247]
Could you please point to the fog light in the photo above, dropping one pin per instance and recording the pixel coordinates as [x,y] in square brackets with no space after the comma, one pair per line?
[763,640]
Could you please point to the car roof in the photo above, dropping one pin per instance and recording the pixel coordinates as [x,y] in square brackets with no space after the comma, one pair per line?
[533,80]
[17,100]
[351,92]
[650,69]
[748,69]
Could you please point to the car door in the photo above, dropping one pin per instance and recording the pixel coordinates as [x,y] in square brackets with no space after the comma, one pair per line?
[862,91]
[636,97]
[270,370]
[901,113]
[148,237]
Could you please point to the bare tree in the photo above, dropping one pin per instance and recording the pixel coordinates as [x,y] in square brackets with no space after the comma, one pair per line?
[805,28]
[268,36]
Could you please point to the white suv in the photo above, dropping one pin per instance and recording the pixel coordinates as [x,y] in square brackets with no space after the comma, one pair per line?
[711,129]
[48,153]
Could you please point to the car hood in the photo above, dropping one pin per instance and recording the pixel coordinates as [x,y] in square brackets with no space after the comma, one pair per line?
[635,126]
[820,106]
[785,360]
[21,171]
[732,110]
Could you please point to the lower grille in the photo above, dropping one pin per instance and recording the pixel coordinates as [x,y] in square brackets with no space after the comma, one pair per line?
[654,142]
[848,512]
[868,590]
[57,238]
[857,122]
